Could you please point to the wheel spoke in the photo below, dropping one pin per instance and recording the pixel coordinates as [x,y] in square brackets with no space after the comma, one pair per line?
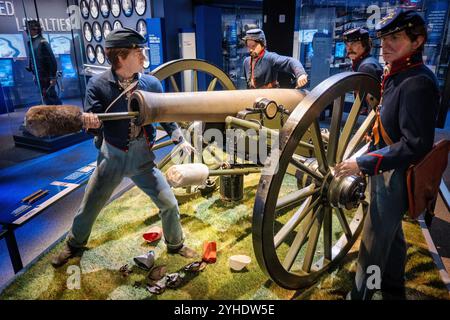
[319,149]
[349,125]
[359,135]
[306,145]
[360,151]
[306,169]
[335,130]
[344,224]
[195,75]
[313,239]
[299,240]
[212,85]
[295,220]
[295,197]
[174,84]
[327,233]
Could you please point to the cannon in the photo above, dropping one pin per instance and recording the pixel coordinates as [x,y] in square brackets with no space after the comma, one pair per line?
[304,219]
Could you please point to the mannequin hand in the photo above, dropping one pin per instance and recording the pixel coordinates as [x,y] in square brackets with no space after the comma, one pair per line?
[346,168]
[301,81]
[90,121]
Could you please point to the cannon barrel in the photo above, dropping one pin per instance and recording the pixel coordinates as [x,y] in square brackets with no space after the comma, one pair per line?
[210,106]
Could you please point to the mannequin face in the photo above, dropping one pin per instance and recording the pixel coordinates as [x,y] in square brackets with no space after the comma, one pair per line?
[254,48]
[134,62]
[34,31]
[354,49]
[399,45]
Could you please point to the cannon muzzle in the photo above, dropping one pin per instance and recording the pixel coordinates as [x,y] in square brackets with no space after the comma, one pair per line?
[209,106]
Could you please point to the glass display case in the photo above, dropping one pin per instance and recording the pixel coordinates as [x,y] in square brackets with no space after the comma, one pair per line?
[333,18]
[40,64]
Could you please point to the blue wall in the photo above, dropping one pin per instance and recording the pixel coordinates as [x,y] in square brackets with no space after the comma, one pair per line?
[208,38]
[208,28]
[177,14]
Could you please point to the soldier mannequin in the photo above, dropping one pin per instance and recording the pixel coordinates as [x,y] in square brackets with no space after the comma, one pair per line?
[45,62]
[125,149]
[358,46]
[403,133]
[261,68]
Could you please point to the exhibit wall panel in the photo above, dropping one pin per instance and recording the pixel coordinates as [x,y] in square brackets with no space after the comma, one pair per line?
[99,17]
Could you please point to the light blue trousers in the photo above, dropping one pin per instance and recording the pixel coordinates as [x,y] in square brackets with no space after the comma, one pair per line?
[113,165]
[383,243]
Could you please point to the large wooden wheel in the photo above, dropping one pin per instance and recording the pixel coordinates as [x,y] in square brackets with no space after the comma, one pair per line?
[172,69]
[304,219]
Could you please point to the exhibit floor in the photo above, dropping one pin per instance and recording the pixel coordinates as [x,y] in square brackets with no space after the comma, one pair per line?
[117,238]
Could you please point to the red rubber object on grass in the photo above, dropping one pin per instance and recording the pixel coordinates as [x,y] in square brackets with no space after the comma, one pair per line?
[153,234]
[209,251]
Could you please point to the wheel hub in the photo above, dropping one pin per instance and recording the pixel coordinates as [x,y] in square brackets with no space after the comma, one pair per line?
[344,193]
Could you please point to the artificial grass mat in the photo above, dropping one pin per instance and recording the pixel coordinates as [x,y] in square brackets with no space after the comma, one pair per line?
[117,238]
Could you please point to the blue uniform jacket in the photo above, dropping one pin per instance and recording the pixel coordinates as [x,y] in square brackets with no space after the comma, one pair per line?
[410,100]
[368,64]
[103,89]
[267,66]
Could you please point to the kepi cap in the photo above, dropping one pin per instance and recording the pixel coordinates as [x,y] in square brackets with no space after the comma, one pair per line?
[398,20]
[355,34]
[125,38]
[255,35]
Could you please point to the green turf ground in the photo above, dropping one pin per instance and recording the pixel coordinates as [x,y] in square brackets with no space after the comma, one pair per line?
[117,238]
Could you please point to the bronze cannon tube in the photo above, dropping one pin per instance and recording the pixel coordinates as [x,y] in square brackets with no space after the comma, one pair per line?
[206,106]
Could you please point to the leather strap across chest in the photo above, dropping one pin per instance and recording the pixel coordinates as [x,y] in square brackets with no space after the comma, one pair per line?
[378,128]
